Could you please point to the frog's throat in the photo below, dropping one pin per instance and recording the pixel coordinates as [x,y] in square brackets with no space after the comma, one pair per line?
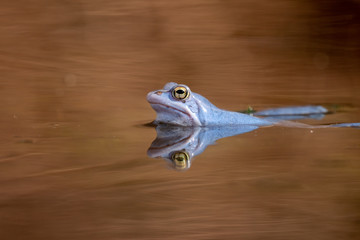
[194,120]
[176,109]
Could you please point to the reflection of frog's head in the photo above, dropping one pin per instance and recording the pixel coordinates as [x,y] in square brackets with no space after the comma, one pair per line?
[177,145]
[176,104]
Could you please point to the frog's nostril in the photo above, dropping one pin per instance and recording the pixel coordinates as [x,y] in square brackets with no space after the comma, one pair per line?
[158,93]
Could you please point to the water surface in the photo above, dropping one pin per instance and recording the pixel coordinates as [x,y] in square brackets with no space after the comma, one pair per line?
[74,77]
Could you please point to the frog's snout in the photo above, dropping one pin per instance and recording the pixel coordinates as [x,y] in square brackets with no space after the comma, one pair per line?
[149,96]
[152,95]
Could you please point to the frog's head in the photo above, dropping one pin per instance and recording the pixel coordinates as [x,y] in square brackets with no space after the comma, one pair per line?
[175,104]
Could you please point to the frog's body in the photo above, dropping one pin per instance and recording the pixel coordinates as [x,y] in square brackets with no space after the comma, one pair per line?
[195,110]
[177,105]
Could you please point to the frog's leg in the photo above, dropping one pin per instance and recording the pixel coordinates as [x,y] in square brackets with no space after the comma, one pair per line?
[279,116]
[352,125]
[291,111]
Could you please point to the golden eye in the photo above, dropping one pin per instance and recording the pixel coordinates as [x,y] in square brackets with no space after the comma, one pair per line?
[180,159]
[180,93]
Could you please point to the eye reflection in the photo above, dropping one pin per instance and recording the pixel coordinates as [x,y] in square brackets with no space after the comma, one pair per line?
[180,93]
[180,159]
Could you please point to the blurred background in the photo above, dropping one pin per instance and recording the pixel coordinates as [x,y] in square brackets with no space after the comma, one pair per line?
[73,81]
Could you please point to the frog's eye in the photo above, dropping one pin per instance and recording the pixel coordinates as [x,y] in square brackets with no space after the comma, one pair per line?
[180,159]
[180,93]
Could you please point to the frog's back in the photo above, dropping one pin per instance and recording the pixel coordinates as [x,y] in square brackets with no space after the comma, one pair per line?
[210,115]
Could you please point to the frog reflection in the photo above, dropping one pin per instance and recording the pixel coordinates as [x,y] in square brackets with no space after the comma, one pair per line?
[178,145]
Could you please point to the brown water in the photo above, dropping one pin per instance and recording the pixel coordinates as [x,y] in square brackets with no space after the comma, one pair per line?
[74,76]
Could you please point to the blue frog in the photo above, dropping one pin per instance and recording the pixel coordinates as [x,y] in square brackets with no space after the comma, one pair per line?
[176,104]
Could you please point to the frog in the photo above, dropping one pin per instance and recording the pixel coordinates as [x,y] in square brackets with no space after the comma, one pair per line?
[176,104]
